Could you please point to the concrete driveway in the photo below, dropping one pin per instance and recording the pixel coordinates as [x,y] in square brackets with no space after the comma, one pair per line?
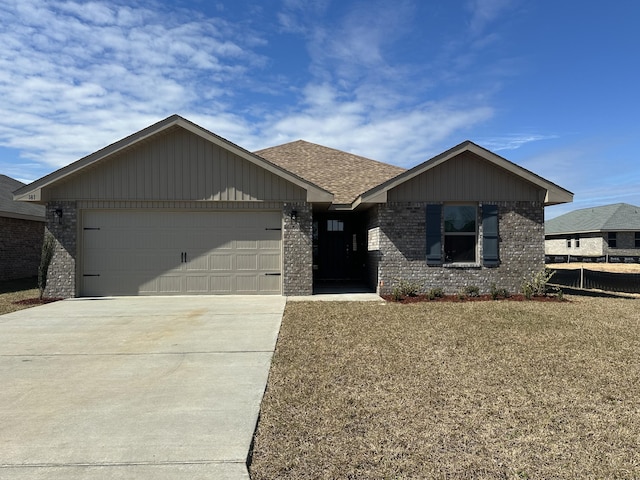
[134,387]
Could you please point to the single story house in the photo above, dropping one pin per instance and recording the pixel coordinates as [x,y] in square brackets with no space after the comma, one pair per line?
[605,233]
[176,209]
[21,233]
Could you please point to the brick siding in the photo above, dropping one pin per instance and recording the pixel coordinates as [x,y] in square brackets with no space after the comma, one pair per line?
[61,279]
[402,253]
[297,250]
[20,247]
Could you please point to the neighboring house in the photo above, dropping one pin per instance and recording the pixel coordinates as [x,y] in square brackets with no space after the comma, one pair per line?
[609,232]
[21,233]
[176,209]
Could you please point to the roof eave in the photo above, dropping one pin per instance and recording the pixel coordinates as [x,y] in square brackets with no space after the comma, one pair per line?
[22,216]
[557,196]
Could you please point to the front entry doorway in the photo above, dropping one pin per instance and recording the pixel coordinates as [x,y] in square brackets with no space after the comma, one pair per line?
[339,251]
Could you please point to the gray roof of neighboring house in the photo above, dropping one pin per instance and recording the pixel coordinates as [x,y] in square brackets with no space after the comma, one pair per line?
[607,218]
[344,174]
[13,209]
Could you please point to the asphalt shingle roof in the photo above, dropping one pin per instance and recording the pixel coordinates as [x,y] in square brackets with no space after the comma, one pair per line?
[608,218]
[344,174]
[8,207]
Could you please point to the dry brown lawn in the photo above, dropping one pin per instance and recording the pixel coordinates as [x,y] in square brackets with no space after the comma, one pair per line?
[16,290]
[476,390]
[599,267]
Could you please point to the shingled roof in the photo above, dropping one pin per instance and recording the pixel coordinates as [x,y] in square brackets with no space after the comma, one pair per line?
[344,174]
[607,218]
[13,209]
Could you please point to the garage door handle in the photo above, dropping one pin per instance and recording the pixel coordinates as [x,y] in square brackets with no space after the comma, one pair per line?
[91,275]
[277,229]
[273,274]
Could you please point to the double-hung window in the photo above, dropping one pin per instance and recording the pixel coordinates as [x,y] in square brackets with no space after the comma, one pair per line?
[453,234]
[460,233]
[637,240]
[612,240]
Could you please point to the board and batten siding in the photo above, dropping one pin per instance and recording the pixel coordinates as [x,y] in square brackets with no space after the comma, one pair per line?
[176,165]
[466,178]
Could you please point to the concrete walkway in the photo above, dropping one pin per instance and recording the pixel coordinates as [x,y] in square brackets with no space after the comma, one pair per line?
[338,297]
[134,387]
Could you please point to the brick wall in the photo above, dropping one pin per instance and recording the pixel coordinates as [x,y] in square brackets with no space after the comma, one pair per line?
[402,253]
[20,247]
[591,245]
[297,250]
[61,278]
[373,246]
[625,244]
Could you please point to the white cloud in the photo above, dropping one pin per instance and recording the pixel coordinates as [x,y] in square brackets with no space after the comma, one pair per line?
[484,12]
[75,76]
[513,141]
[400,136]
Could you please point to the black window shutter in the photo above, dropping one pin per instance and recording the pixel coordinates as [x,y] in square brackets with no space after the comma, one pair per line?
[490,257]
[434,235]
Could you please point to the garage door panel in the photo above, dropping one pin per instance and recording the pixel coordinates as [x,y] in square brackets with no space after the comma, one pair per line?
[221,284]
[197,284]
[247,261]
[269,262]
[247,284]
[270,284]
[246,244]
[222,262]
[143,252]
[200,263]
[170,284]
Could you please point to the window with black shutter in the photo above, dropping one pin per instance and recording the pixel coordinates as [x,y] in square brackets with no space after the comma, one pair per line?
[490,237]
[434,234]
[452,235]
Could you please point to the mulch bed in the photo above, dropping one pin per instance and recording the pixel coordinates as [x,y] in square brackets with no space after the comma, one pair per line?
[37,301]
[478,298]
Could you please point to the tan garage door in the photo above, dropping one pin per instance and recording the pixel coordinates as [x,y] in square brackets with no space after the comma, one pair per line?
[172,253]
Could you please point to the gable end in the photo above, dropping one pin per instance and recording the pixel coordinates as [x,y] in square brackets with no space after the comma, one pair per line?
[466,177]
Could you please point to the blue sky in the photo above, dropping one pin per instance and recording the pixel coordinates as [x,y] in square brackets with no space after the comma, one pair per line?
[550,85]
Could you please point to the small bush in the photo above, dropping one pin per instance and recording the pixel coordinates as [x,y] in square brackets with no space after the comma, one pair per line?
[472,291]
[48,247]
[536,284]
[405,288]
[497,293]
[434,293]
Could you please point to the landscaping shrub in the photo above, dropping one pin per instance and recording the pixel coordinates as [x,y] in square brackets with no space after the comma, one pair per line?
[472,291]
[536,284]
[434,293]
[405,288]
[497,293]
[48,246]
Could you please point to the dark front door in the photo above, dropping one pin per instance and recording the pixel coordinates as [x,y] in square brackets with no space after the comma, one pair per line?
[339,250]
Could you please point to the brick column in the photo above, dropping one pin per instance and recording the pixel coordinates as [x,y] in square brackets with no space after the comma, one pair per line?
[297,249]
[61,277]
